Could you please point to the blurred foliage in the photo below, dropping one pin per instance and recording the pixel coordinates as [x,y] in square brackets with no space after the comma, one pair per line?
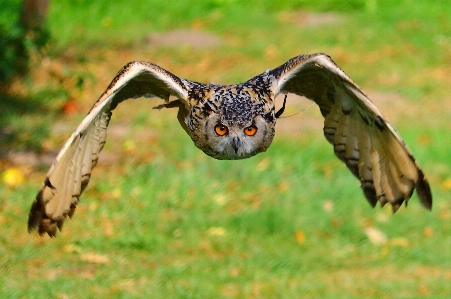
[21,124]
[13,53]
[18,41]
[125,23]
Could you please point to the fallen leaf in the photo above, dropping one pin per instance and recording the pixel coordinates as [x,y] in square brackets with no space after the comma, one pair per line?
[136,191]
[424,139]
[177,233]
[92,206]
[283,186]
[71,248]
[376,236]
[428,232]
[327,170]
[94,258]
[197,24]
[52,274]
[107,227]
[444,214]
[336,222]
[220,199]
[216,231]
[234,272]
[127,285]
[446,184]
[271,52]
[116,193]
[13,177]
[328,205]
[385,250]
[129,145]
[423,290]
[300,236]
[382,217]
[401,242]
[70,107]
[263,164]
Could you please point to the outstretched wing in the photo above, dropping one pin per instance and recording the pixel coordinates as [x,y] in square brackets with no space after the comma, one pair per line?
[70,173]
[362,138]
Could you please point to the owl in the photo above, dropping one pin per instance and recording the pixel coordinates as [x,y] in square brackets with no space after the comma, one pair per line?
[235,122]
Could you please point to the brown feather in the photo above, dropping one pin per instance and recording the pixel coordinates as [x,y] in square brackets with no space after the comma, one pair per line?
[71,171]
[362,138]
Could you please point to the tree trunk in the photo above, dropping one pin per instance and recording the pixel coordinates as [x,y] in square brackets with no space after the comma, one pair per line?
[33,14]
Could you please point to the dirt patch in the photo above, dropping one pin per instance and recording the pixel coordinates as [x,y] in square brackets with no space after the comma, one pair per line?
[185,38]
[311,19]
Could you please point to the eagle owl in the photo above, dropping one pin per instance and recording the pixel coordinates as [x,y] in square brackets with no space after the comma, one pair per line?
[237,122]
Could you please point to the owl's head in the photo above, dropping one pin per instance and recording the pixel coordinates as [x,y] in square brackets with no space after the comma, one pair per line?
[239,128]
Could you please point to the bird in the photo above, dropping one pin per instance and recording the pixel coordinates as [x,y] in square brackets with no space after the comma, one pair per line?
[233,122]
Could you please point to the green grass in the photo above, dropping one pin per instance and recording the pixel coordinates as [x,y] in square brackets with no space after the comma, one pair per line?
[224,229]
[163,220]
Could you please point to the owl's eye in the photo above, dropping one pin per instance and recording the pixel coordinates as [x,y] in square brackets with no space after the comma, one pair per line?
[250,131]
[221,130]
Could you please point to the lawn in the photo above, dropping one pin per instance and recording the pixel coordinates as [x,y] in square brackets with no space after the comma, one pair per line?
[160,219]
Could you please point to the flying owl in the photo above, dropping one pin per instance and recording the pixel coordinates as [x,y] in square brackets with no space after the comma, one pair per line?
[238,121]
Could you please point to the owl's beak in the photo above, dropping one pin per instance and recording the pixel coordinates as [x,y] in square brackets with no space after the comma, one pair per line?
[236,144]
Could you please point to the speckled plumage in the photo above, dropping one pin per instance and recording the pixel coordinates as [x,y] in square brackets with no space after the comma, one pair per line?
[237,122]
[235,105]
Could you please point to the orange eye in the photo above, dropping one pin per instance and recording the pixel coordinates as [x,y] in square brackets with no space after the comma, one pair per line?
[221,130]
[250,131]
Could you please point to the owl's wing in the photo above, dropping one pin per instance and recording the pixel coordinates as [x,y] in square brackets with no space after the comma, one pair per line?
[70,173]
[362,138]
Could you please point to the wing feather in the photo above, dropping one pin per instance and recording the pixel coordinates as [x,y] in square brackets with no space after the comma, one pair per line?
[362,138]
[70,173]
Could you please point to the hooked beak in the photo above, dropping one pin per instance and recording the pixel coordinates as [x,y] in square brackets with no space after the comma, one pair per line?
[235,144]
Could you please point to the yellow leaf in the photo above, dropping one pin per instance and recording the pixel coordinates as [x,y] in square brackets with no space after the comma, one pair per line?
[385,250]
[129,145]
[94,258]
[13,177]
[263,164]
[116,193]
[92,206]
[300,236]
[446,184]
[328,205]
[425,139]
[71,248]
[383,217]
[402,242]
[220,199]
[327,170]
[216,231]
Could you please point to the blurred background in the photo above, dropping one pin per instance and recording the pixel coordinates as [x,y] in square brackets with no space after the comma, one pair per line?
[160,219]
